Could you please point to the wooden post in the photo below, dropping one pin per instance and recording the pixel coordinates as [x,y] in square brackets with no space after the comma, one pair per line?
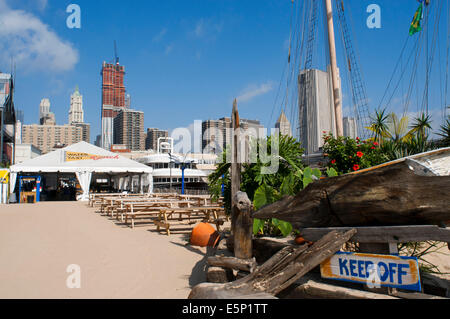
[241,207]
[235,162]
[243,228]
[334,70]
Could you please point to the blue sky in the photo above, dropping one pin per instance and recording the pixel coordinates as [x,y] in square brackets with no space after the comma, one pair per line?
[187,60]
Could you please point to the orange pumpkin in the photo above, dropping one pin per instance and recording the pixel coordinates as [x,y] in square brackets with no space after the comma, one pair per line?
[204,235]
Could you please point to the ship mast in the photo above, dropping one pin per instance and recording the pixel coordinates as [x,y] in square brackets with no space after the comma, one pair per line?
[334,70]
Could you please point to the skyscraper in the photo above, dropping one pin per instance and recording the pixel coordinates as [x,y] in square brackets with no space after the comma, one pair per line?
[284,125]
[316,109]
[113,99]
[45,116]
[350,127]
[76,114]
[151,140]
[218,134]
[129,129]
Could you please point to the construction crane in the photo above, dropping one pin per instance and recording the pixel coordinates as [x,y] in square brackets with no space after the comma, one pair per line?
[358,88]
[116,57]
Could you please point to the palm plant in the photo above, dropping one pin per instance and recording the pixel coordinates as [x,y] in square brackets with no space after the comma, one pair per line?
[379,125]
[397,130]
[445,133]
[422,125]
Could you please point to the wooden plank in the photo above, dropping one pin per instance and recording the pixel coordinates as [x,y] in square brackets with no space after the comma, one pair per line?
[373,270]
[317,290]
[390,234]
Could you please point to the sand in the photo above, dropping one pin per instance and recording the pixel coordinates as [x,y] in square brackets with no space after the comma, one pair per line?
[39,241]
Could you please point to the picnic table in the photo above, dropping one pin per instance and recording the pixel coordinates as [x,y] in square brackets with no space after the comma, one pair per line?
[133,210]
[208,214]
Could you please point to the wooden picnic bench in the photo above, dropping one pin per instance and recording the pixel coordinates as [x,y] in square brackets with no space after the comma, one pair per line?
[166,214]
[149,209]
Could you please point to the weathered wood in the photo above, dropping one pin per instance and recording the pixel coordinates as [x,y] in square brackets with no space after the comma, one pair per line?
[279,272]
[243,228]
[233,263]
[263,248]
[219,275]
[415,295]
[391,195]
[235,163]
[390,234]
[317,290]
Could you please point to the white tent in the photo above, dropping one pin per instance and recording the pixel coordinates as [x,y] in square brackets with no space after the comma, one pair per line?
[84,159]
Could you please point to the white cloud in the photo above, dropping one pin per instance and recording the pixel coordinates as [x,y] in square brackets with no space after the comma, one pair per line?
[207,28]
[42,4]
[160,35]
[169,49]
[32,43]
[254,91]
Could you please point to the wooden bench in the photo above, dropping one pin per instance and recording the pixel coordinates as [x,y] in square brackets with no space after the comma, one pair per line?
[149,208]
[166,214]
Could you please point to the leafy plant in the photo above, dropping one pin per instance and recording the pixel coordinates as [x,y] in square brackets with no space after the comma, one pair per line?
[444,132]
[349,155]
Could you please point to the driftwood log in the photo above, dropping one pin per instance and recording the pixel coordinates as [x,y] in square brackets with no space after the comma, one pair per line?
[390,195]
[247,265]
[279,272]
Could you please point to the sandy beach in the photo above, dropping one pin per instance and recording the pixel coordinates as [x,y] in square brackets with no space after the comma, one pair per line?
[38,242]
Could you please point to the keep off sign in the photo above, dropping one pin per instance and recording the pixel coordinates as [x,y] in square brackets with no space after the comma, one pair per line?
[374,270]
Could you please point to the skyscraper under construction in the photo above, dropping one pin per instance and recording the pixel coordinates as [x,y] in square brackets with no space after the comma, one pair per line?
[113,99]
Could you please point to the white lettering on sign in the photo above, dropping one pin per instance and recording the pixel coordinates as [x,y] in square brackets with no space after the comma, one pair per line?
[374,270]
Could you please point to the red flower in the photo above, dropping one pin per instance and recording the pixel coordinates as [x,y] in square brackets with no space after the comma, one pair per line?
[356,167]
[333,162]
[360,154]
[373,147]
[375,144]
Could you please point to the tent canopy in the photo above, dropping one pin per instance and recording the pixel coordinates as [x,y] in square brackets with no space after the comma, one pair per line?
[82,159]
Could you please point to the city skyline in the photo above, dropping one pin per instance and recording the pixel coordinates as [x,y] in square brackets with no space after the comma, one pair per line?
[201,51]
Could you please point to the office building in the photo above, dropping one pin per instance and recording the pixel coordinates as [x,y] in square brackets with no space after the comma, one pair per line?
[283,125]
[76,113]
[46,137]
[218,134]
[45,116]
[316,109]
[113,100]
[152,136]
[7,118]
[350,127]
[129,129]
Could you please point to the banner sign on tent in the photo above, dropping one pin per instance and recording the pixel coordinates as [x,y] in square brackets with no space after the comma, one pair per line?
[382,270]
[4,177]
[76,156]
